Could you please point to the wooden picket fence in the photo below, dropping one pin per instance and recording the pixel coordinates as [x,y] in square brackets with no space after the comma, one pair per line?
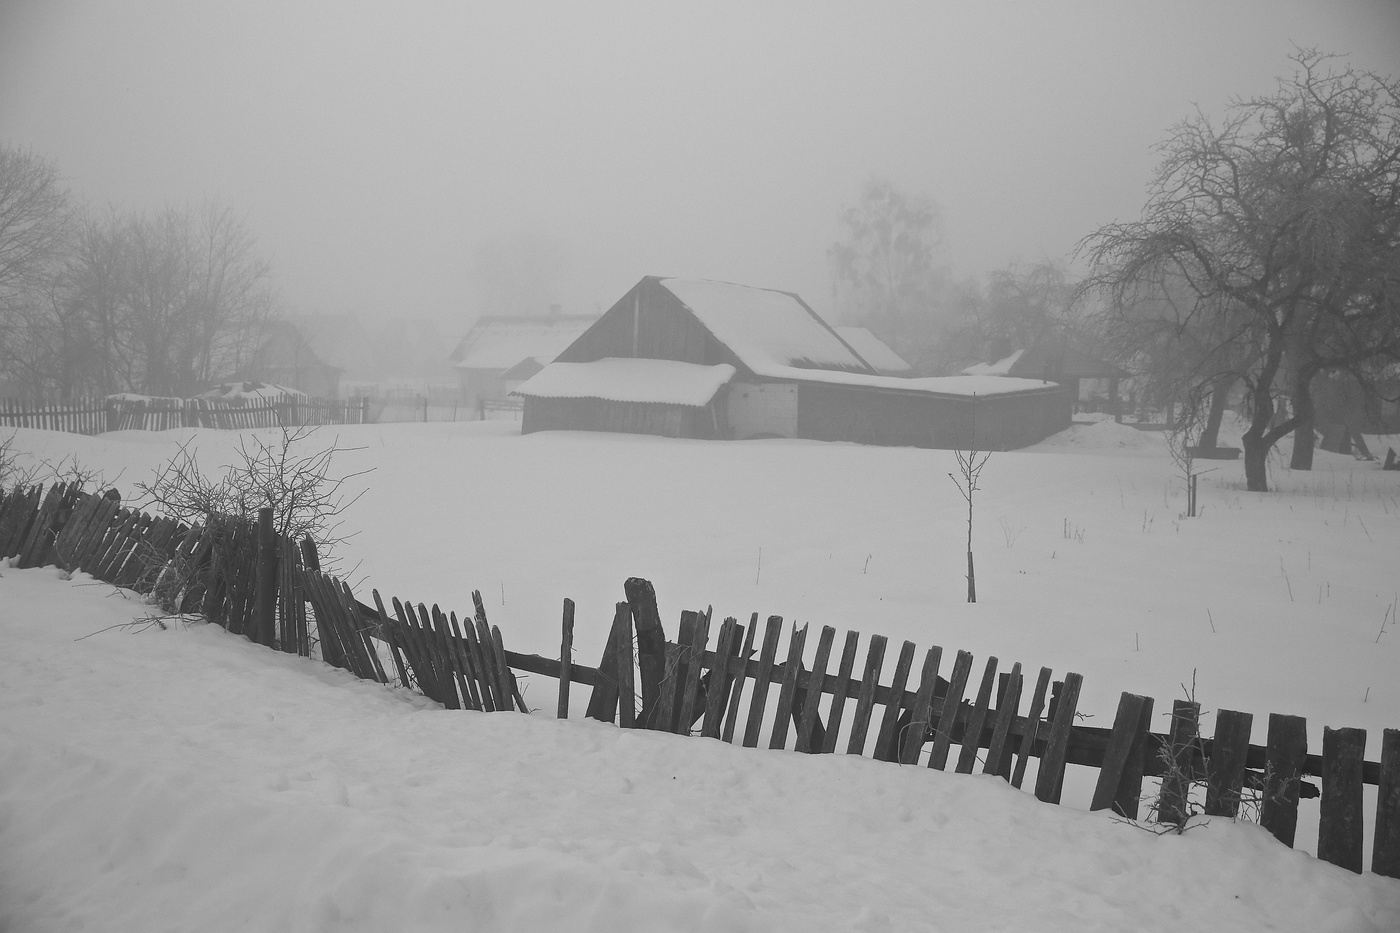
[117,413]
[243,576]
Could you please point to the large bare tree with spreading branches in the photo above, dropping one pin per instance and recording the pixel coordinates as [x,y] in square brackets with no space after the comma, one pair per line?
[1269,248]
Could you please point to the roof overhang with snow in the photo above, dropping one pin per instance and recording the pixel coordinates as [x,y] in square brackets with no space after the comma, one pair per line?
[645,381]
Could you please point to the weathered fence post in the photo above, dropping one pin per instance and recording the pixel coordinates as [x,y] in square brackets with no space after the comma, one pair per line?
[651,640]
[1120,777]
[1339,834]
[1284,758]
[1173,804]
[1385,849]
[265,606]
[566,659]
[1228,751]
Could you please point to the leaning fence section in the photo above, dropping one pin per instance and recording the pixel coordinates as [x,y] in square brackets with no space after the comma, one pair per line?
[736,682]
[128,413]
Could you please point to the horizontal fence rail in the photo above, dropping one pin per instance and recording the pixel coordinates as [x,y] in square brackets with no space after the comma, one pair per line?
[96,415]
[731,682]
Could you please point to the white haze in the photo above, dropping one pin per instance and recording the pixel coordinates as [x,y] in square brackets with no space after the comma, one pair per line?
[383,153]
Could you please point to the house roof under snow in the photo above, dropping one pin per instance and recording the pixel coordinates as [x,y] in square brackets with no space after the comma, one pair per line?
[665,382]
[1055,359]
[773,333]
[501,342]
[874,350]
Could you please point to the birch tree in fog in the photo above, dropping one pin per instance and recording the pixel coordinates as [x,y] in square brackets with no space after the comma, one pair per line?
[884,268]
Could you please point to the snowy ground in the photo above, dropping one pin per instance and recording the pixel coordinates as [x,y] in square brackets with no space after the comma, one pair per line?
[161,780]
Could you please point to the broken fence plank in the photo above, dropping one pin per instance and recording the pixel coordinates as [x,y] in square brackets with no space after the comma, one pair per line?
[731,717]
[977,719]
[1050,777]
[797,642]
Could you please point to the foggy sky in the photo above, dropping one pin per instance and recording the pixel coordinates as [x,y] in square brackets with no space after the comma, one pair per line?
[377,151]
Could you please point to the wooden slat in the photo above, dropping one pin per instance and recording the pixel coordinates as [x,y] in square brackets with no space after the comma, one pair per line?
[865,700]
[651,639]
[885,738]
[977,719]
[602,703]
[1385,847]
[948,720]
[797,642]
[731,717]
[919,722]
[689,694]
[1173,803]
[719,679]
[566,659]
[1049,779]
[1340,830]
[811,702]
[482,666]
[471,671]
[771,634]
[392,635]
[1027,747]
[508,678]
[1123,757]
[999,751]
[839,692]
[1229,749]
[626,691]
[663,720]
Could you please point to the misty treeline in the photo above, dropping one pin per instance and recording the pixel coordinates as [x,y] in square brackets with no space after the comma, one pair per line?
[100,301]
[1264,272]
[888,277]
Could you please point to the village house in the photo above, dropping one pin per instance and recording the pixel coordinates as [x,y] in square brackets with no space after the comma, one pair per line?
[697,358]
[501,352]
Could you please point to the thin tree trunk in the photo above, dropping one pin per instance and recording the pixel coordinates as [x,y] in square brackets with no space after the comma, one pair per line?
[1219,396]
[1304,440]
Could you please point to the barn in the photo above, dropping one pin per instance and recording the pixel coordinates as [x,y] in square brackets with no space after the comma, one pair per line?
[698,358]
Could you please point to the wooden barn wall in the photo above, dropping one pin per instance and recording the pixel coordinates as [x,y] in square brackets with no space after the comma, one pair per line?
[866,416]
[593,414]
[665,331]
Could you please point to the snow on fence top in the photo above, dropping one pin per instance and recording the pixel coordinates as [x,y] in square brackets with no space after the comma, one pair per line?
[630,380]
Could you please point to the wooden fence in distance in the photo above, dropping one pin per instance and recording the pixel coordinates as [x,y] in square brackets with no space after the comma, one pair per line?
[118,413]
[242,576]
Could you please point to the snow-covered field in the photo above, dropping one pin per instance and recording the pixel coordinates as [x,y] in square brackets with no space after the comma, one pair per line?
[184,779]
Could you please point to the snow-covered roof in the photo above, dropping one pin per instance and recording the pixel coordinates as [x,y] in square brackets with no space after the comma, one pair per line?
[232,390]
[937,385]
[1000,368]
[772,333]
[873,350]
[664,382]
[501,342]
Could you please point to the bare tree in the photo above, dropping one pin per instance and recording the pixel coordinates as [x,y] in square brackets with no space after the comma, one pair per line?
[970,464]
[1280,227]
[33,210]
